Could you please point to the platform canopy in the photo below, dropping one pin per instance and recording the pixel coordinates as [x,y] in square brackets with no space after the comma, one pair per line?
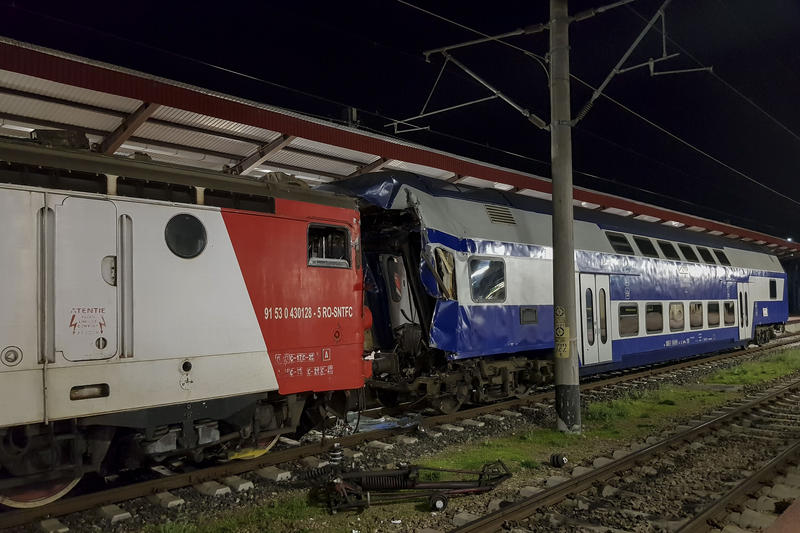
[123,112]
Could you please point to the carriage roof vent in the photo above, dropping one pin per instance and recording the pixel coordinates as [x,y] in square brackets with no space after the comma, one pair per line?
[499,214]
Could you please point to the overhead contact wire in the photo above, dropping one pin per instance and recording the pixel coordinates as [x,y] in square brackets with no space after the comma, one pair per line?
[622,106]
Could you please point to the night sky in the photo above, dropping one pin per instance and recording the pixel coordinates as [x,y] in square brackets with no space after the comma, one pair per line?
[320,57]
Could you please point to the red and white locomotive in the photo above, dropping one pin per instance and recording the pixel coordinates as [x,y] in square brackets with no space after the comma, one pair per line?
[134,329]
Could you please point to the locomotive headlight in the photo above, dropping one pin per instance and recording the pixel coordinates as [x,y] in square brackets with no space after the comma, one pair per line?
[11,356]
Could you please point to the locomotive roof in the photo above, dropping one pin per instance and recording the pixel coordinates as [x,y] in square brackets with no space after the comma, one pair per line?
[381,188]
[32,153]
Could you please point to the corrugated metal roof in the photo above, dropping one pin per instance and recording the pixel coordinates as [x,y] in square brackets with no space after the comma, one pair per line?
[197,127]
[23,82]
[193,139]
[420,169]
[180,116]
[49,112]
[327,149]
[314,163]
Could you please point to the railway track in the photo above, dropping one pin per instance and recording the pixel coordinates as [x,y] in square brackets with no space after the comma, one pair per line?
[597,388]
[655,477]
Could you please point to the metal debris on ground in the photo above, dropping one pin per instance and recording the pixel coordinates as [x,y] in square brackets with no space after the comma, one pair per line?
[358,490]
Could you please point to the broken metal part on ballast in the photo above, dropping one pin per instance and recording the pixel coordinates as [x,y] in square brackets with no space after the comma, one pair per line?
[358,490]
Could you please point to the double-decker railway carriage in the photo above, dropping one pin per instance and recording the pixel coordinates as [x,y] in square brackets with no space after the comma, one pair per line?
[462,291]
[134,329]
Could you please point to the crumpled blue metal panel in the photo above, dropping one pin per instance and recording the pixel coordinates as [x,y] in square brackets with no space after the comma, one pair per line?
[428,280]
[487,247]
[477,330]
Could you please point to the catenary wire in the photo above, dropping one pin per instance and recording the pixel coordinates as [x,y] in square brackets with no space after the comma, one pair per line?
[722,80]
[537,57]
[627,109]
[376,114]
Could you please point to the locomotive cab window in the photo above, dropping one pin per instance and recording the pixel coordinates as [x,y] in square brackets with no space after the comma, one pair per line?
[487,280]
[669,251]
[688,253]
[619,243]
[328,246]
[185,236]
[628,320]
[706,255]
[722,258]
[646,246]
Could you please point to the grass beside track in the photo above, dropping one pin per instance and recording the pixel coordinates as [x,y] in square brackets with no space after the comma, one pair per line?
[605,425]
[755,372]
[282,514]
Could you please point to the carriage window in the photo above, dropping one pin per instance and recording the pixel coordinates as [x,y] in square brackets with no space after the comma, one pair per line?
[328,246]
[688,253]
[668,249]
[676,318]
[696,315]
[646,246]
[730,313]
[446,268]
[706,255]
[601,309]
[773,289]
[746,312]
[741,311]
[619,243]
[628,320]
[654,318]
[722,258]
[713,314]
[487,280]
[589,318]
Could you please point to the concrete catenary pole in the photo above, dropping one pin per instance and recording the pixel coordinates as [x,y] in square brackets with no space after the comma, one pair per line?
[568,406]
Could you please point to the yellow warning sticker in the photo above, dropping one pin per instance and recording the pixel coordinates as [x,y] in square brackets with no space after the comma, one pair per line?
[561,331]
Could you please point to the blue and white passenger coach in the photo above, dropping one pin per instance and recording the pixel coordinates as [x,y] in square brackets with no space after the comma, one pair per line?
[460,283]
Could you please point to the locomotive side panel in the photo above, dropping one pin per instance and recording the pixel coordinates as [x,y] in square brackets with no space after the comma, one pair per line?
[304,279]
[20,372]
[186,324]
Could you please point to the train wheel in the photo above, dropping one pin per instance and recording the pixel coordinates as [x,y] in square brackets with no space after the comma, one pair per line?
[388,398]
[37,494]
[450,403]
[446,404]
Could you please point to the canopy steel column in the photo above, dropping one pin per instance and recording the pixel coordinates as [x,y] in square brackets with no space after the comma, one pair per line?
[568,405]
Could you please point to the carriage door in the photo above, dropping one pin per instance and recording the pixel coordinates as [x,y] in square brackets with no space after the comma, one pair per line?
[745,308]
[595,319]
[85,307]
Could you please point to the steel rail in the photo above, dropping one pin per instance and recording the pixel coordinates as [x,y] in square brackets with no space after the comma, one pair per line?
[649,372]
[719,509]
[525,508]
[84,502]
